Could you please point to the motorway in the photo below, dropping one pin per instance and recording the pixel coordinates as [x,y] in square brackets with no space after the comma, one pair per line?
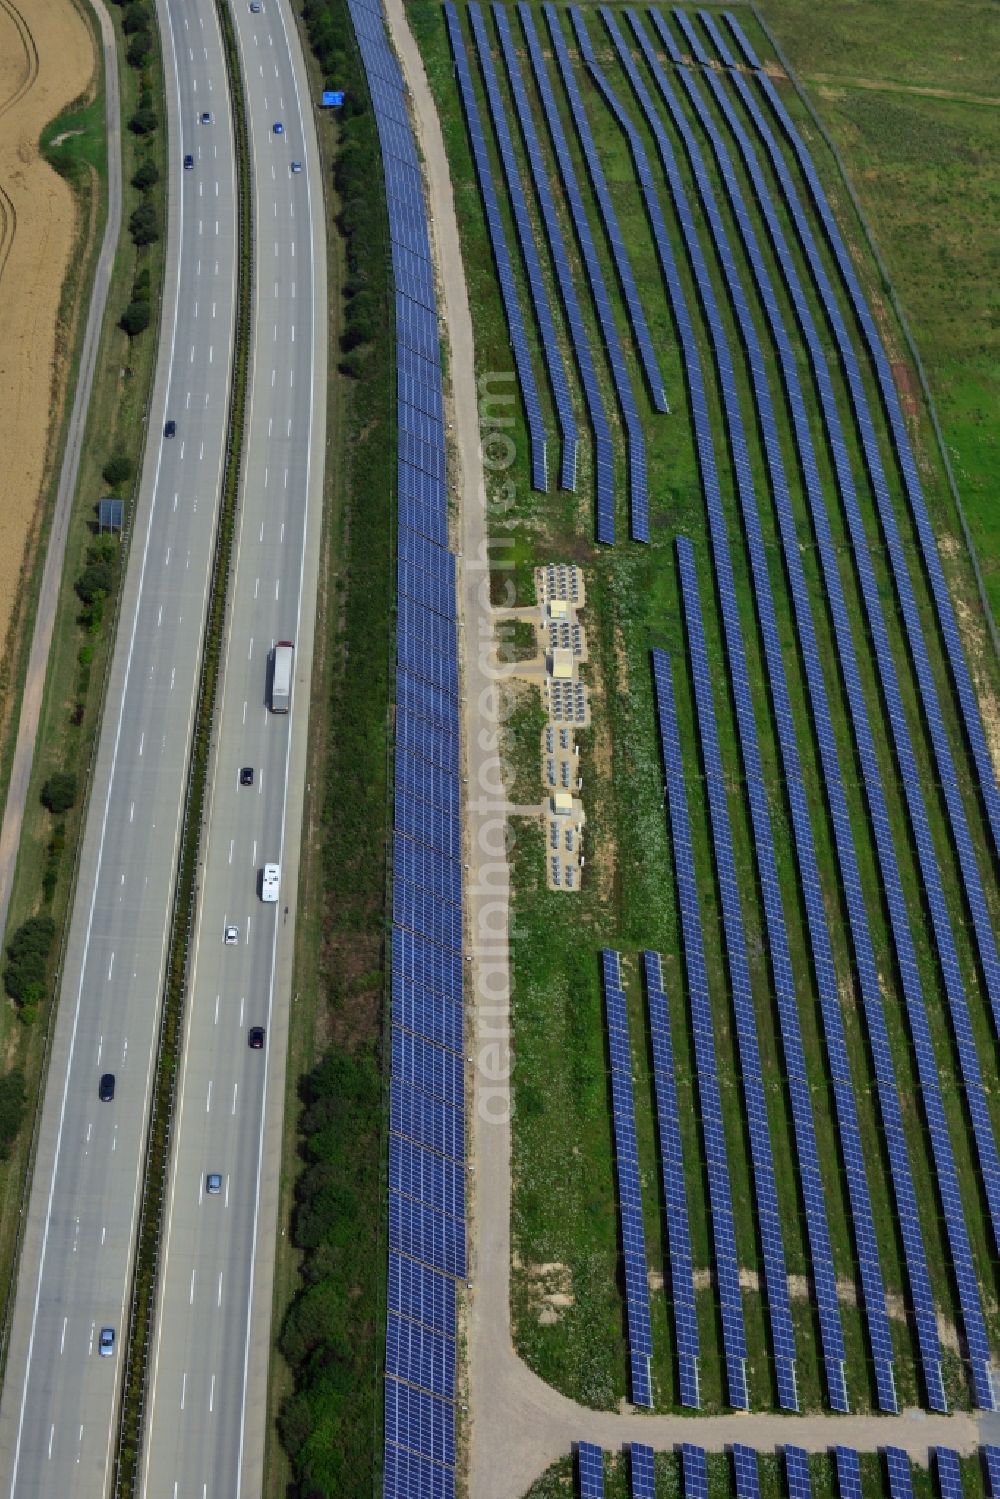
[205,1427]
[59,1403]
[57,1413]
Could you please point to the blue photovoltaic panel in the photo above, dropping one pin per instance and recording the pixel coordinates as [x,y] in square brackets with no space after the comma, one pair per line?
[629,1188]
[990,1165]
[695,1472]
[409,1476]
[718,41]
[967,698]
[638,495]
[426,1115]
[797,1473]
[745,1472]
[603,451]
[428,1121]
[691,36]
[930,871]
[619,253]
[422,1294]
[949,1473]
[422,1232]
[433,1068]
[431,1178]
[720,1191]
[992,1455]
[768,1209]
[421,1357]
[848,1474]
[898,1468]
[419,1421]
[590,1465]
[674,1188]
[899,1158]
[529,252]
[643,1481]
[501,253]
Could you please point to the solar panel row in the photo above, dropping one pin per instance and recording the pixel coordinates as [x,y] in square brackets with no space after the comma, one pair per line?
[968,700]
[993,1470]
[603,450]
[529,252]
[785,984]
[427,1087]
[745,1472]
[899,1157]
[768,1208]
[944,1160]
[638,478]
[590,1465]
[619,252]
[694,1470]
[702,1025]
[949,1473]
[629,1185]
[674,1189]
[797,1473]
[898,1469]
[501,254]
[642,1479]
[909,772]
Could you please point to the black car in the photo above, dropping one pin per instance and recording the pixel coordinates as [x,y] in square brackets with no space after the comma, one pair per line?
[246,776]
[106,1091]
[255,1038]
[170,429]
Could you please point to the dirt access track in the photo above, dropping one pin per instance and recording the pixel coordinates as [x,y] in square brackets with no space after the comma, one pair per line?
[47,60]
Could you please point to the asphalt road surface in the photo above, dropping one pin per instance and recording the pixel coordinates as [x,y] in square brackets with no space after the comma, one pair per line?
[57,1414]
[205,1426]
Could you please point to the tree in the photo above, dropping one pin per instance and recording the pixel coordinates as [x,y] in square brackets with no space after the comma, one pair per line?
[28,954]
[136,18]
[143,122]
[59,792]
[142,46]
[147,176]
[118,469]
[144,226]
[13,1097]
[95,582]
[135,318]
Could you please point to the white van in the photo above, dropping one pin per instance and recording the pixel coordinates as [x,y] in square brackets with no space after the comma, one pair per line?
[269,880]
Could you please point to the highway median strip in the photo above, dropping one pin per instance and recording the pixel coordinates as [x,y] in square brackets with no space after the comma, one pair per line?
[147,1257]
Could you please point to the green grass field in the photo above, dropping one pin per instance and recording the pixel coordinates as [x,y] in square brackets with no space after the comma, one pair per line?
[564,1213]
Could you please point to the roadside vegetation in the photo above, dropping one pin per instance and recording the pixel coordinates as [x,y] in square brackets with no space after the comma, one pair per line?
[567,1302]
[325,1393]
[86,618]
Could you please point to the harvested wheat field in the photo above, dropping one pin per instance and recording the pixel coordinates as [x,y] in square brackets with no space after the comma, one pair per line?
[47,60]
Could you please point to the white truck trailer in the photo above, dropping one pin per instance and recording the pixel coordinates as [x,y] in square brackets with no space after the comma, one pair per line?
[281,676]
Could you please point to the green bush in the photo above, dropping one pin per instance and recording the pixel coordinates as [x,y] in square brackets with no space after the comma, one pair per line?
[141,286]
[135,318]
[147,176]
[117,470]
[13,1097]
[136,18]
[28,955]
[144,225]
[59,792]
[140,49]
[95,582]
[144,121]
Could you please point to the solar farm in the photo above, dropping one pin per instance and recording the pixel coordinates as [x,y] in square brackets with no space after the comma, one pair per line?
[755,1132]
